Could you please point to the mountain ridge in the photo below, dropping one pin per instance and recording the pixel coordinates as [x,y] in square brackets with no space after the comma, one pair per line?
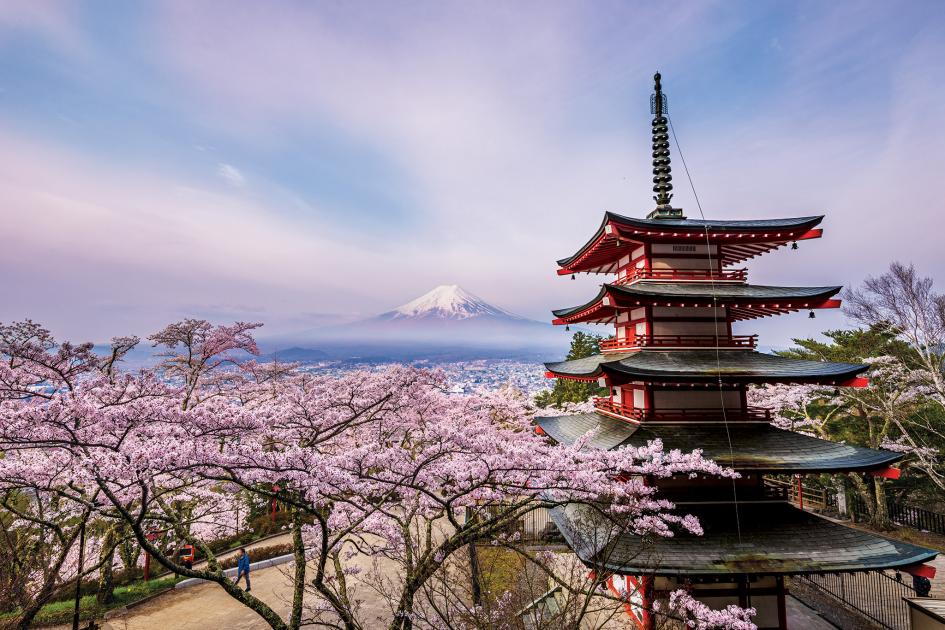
[445,321]
[448,301]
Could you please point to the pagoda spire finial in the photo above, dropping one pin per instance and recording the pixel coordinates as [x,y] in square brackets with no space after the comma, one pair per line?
[662,172]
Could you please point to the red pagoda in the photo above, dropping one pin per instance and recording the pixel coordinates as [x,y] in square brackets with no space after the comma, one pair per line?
[676,370]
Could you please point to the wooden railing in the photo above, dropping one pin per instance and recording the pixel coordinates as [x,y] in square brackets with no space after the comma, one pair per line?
[678,341]
[795,491]
[684,275]
[615,408]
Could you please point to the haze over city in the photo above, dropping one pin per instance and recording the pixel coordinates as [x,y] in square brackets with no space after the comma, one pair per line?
[303,165]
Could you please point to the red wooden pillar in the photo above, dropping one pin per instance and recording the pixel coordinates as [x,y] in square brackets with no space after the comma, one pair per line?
[800,492]
[649,619]
[151,536]
[273,517]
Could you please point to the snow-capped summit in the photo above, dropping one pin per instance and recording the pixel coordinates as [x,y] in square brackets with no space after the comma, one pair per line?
[447,321]
[448,301]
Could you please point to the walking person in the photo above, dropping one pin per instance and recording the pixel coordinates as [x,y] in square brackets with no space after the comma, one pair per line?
[242,567]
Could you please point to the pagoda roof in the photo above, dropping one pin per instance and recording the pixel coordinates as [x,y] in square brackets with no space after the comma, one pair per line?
[744,301]
[739,240]
[766,539]
[704,366]
[754,447]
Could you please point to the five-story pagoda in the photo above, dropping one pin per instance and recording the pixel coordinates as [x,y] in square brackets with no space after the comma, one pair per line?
[676,370]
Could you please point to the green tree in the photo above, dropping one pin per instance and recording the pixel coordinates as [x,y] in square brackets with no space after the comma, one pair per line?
[877,416]
[569,391]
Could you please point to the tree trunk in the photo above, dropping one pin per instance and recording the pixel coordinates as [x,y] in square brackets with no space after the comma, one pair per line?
[880,516]
[129,552]
[298,583]
[106,578]
[475,582]
[50,582]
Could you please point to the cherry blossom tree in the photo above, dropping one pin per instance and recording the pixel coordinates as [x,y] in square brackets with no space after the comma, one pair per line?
[887,413]
[49,512]
[907,305]
[374,467]
[698,616]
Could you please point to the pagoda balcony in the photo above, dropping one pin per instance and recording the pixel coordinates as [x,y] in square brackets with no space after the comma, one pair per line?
[684,275]
[660,342]
[626,412]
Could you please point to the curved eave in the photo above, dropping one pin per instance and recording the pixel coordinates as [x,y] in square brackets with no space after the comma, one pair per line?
[742,305]
[703,367]
[739,240]
[586,369]
[620,375]
[769,227]
[753,448]
[766,539]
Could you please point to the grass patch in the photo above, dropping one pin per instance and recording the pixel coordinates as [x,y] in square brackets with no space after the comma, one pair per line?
[500,569]
[61,612]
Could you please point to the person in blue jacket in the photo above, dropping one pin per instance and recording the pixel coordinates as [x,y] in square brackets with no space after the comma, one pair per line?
[242,567]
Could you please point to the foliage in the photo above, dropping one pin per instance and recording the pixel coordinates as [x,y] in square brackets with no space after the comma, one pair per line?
[698,616]
[899,410]
[571,391]
[378,464]
[60,612]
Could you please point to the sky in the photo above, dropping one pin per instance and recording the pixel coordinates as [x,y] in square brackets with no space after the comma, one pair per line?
[302,163]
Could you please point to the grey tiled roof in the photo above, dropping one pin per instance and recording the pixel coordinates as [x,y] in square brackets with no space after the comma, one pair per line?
[690,225]
[727,225]
[611,432]
[588,366]
[776,538]
[755,447]
[723,293]
[705,366]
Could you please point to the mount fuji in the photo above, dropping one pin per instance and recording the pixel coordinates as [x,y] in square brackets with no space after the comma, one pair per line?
[447,321]
[448,302]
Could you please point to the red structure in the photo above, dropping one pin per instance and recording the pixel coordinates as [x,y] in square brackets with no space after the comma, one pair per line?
[676,369]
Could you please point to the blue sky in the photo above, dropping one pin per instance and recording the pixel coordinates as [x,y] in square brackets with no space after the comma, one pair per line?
[300,163]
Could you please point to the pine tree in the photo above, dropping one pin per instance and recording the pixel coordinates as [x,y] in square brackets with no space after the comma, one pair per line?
[568,391]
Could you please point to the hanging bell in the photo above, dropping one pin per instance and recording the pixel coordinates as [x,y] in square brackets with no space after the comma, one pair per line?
[794,245]
[567,328]
[811,316]
[572,276]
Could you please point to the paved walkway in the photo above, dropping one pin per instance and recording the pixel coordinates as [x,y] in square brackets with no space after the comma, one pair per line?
[802,617]
[207,607]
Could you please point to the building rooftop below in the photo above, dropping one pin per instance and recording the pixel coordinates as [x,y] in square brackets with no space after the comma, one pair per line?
[754,447]
[704,366]
[766,538]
